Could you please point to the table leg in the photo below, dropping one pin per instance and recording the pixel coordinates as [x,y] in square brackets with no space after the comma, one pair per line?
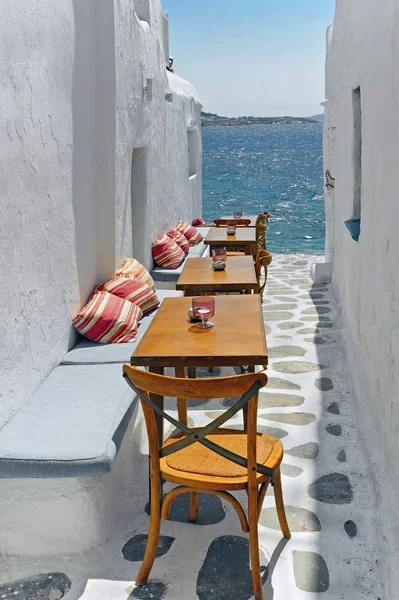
[158,400]
[194,496]
[251,369]
[181,402]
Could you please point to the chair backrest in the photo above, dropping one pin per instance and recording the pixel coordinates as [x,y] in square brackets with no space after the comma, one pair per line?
[261,228]
[263,259]
[238,222]
[246,386]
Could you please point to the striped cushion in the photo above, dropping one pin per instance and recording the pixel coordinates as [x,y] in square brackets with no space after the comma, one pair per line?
[192,235]
[179,239]
[132,289]
[132,268]
[198,222]
[167,253]
[108,319]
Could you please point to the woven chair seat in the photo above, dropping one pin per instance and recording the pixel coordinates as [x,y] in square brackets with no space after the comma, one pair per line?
[202,461]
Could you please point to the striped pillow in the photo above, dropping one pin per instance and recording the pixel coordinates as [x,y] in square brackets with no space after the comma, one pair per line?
[179,239]
[132,289]
[108,319]
[192,235]
[198,222]
[132,268]
[167,254]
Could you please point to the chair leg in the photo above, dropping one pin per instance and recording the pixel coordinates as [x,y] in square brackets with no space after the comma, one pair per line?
[254,543]
[194,500]
[278,496]
[153,535]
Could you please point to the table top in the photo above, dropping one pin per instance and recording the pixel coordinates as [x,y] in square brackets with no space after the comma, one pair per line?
[251,217]
[243,235]
[237,338]
[199,275]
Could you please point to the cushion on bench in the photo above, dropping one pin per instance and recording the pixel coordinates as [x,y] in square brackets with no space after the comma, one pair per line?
[72,426]
[90,353]
[201,249]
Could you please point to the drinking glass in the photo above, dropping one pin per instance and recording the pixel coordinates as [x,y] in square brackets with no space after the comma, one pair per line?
[219,254]
[238,214]
[231,227]
[203,308]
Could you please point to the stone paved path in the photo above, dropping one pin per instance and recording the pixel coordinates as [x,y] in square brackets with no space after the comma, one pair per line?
[329,501]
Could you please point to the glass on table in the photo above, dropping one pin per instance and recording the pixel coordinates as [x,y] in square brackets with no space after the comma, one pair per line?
[238,214]
[203,308]
[231,227]
[219,254]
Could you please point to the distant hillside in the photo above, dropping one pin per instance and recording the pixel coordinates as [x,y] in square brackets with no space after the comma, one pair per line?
[211,119]
[319,118]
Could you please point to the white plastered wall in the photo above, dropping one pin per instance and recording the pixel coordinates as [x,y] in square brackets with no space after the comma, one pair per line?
[363,50]
[73,110]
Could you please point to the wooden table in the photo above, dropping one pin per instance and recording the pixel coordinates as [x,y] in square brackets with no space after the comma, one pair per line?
[245,237]
[198,276]
[237,338]
[252,218]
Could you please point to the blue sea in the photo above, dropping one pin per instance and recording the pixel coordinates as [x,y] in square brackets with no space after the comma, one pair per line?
[278,168]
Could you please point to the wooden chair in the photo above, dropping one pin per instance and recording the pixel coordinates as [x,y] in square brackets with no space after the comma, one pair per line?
[210,459]
[261,228]
[262,261]
[238,222]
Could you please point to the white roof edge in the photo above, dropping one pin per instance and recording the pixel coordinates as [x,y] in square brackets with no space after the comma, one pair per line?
[181,86]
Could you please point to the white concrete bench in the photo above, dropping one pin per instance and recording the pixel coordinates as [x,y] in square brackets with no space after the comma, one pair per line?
[68,456]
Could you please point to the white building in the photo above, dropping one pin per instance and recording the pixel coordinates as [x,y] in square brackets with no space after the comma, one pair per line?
[100,151]
[361,148]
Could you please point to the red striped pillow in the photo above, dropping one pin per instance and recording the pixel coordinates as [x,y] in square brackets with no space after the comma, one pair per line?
[132,268]
[132,289]
[166,253]
[192,235]
[179,239]
[198,222]
[108,319]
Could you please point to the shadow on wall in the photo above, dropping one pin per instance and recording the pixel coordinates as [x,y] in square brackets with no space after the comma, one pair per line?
[94,138]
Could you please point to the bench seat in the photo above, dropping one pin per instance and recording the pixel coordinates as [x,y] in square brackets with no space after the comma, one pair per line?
[72,426]
[87,352]
[172,275]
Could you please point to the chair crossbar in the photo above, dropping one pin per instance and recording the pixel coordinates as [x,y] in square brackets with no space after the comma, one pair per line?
[196,436]
[200,435]
[158,410]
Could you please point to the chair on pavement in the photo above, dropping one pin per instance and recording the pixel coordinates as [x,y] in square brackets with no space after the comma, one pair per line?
[210,459]
[262,261]
[261,228]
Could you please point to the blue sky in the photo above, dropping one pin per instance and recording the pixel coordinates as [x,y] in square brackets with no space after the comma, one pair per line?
[259,57]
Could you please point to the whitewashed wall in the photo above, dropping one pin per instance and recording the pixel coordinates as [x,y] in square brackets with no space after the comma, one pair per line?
[363,50]
[73,109]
